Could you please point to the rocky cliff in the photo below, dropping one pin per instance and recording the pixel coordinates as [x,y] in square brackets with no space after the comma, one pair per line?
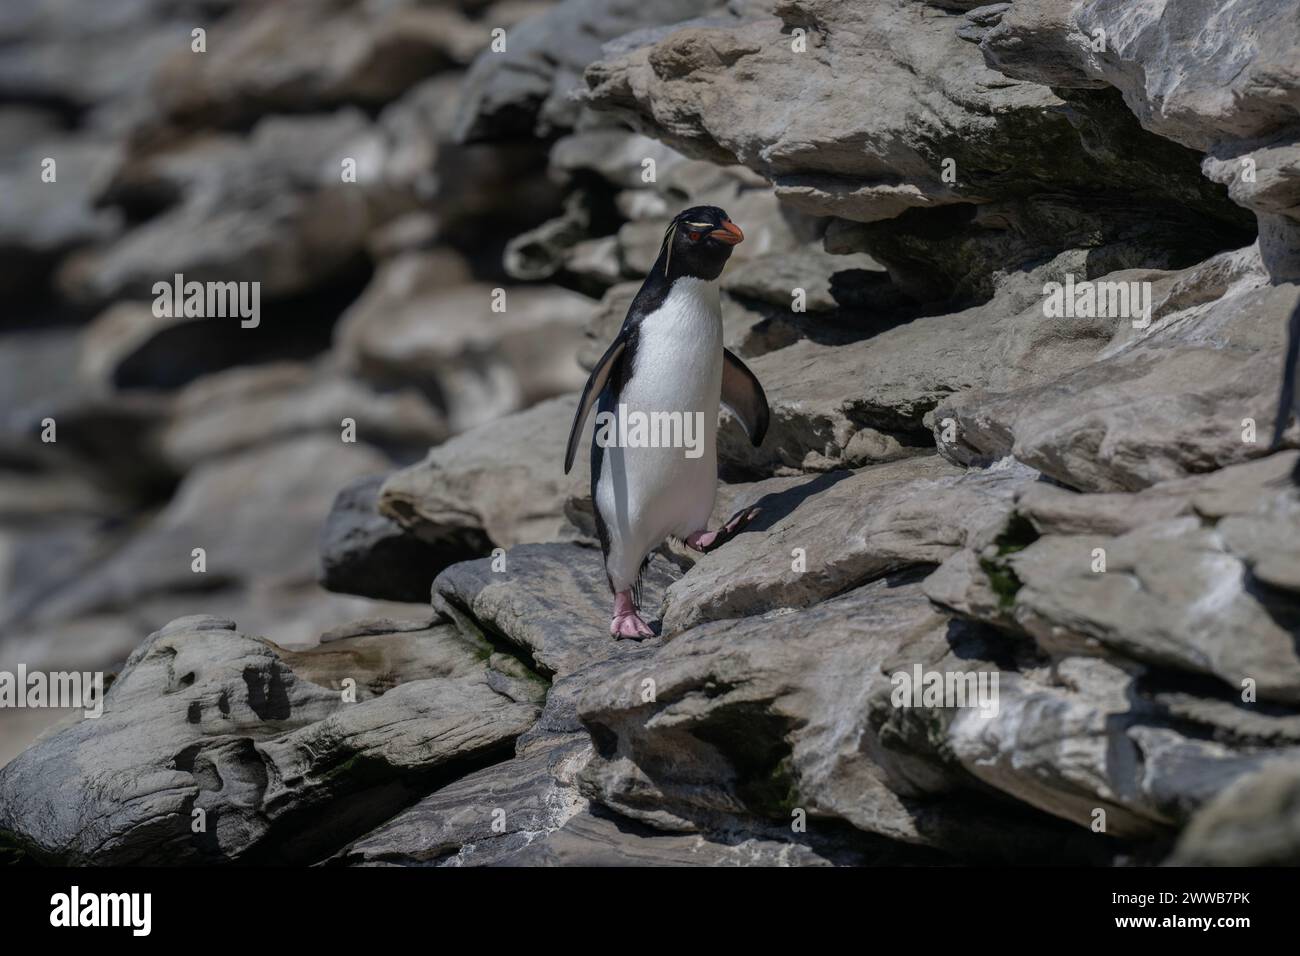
[980,473]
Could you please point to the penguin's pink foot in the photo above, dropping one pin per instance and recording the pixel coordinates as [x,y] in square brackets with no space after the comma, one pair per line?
[629,626]
[701,540]
[626,622]
[706,541]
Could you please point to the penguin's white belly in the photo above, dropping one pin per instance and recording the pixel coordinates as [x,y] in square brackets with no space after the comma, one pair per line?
[647,494]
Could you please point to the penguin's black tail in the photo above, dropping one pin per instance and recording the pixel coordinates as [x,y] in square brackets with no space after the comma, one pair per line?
[1286,400]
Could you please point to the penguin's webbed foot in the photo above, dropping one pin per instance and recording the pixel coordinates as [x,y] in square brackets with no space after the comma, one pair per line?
[626,621]
[629,626]
[706,541]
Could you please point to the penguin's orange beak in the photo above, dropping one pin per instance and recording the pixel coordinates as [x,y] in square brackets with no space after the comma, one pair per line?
[729,233]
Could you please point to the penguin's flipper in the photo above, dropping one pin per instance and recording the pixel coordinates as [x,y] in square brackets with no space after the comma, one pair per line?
[742,393]
[595,385]
[1286,401]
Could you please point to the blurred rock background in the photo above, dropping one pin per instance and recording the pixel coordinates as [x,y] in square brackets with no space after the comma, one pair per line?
[229,165]
[947,454]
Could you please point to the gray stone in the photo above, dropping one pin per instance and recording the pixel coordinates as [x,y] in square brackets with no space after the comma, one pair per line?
[243,408]
[544,821]
[256,515]
[505,480]
[205,718]
[1236,83]
[802,549]
[366,553]
[311,55]
[773,277]
[70,53]
[412,327]
[822,395]
[1173,399]
[741,94]
[752,720]
[42,221]
[1179,587]
[552,601]
[1252,823]
[271,209]
[523,90]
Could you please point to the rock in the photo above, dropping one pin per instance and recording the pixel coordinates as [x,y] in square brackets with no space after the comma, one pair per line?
[1252,823]
[505,480]
[313,55]
[20,728]
[745,94]
[920,172]
[547,823]
[206,718]
[523,90]
[226,507]
[1052,509]
[272,209]
[409,233]
[41,221]
[26,122]
[595,263]
[110,441]
[366,553]
[1072,743]
[1179,588]
[37,371]
[773,277]
[953,257]
[243,408]
[801,549]
[413,163]
[1232,83]
[591,839]
[379,654]
[69,435]
[944,220]
[293,615]
[454,826]
[1171,400]
[559,725]
[129,347]
[550,600]
[542,252]
[615,155]
[1224,94]
[755,718]
[748,721]
[47,550]
[455,343]
[1220,714]
[1151,574]
[822,395]
[69,54]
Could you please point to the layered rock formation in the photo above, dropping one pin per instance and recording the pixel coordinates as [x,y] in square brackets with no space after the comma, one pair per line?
[1067,511]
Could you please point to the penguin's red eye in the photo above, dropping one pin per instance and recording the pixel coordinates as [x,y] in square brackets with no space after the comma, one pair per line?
[694,236]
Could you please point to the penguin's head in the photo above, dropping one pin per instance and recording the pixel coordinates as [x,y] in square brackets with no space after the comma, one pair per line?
[698,243]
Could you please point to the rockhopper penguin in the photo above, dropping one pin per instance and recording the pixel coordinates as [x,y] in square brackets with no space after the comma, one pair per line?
[667,358]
